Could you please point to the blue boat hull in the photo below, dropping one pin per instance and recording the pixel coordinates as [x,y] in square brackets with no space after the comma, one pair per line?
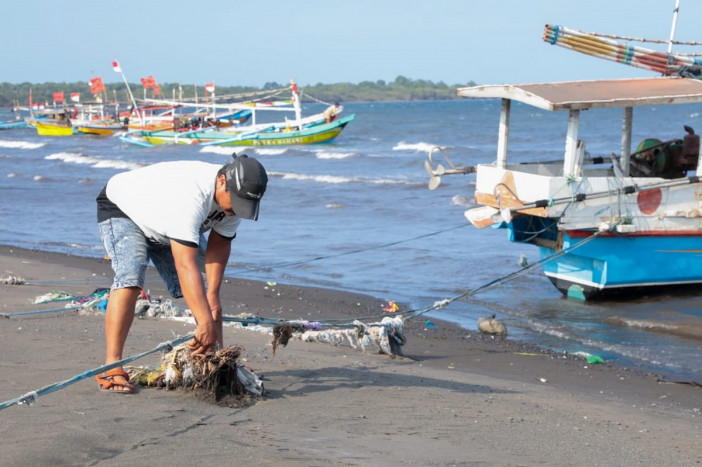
[13,124]
[612,263]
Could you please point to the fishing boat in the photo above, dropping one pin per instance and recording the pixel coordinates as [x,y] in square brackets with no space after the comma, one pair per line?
[228,125]
[262,135]
[53,128]
[92,119]
[99,128]
[17,122]
[11,124]
[618,224]
[54,122]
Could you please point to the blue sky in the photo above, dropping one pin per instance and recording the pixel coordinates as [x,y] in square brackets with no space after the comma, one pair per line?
[231,42]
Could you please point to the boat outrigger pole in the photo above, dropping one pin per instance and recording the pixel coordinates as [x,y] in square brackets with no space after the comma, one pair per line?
[672,29]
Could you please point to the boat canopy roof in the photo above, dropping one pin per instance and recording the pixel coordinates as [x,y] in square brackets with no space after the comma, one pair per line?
[574,95]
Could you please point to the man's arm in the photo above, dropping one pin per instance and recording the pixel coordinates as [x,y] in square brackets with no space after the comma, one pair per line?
[193,289]
[216,258]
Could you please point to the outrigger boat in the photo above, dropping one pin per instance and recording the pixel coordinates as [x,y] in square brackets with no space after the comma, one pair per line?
[230,130]
[91,119]
[261,135]
[12,124]
[634,223]
[17,122]
[52,122]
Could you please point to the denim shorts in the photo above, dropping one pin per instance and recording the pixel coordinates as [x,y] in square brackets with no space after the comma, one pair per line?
[130,252]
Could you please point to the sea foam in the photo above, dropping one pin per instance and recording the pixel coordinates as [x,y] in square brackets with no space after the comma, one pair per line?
[96,162]
[333,155]
[335,179]
[20,144]
[417,147]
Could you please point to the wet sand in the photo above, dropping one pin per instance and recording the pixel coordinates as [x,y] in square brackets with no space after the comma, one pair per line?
[456,398]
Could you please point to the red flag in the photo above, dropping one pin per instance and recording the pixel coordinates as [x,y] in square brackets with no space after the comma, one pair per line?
[157,90]
[210,87]
[75,96]
[58,96]
[96,85]
[148,82]
[116,67]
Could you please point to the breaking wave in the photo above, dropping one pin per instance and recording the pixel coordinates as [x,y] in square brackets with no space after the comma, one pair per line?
[271,151]
[687,330]
[336,179]
[224,150]
[95,162]
[417,147]
[20,144]
[334,155]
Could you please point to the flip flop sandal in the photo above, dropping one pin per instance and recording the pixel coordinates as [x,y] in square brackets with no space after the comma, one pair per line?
[106,382]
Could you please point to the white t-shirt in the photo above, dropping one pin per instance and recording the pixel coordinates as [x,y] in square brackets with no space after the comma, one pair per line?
[172,200]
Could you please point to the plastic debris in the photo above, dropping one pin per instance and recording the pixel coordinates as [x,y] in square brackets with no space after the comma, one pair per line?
[523,261]
[12,280]
[391,308]
[221,377]
[592,359]
[53,296]
[439,304]
[430,325]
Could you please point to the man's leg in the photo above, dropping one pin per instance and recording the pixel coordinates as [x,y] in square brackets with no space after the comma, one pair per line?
[127,248]
[118,321]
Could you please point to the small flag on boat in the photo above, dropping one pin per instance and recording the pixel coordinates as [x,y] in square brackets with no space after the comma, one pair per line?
[116,67]
[75,96]
[58,96]
[149,82]
[210,87]
[96,85]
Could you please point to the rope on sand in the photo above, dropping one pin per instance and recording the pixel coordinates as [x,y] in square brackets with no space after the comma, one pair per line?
[506,278]
[32,396]
[34,312]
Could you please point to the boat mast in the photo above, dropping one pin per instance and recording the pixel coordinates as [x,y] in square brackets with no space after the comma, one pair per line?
[296,104]
[118,68]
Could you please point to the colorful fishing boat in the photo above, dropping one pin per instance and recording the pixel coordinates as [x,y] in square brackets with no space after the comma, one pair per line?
[60,125]
[615,225]
[262,135]
[99,128]
[227,125]
[53,128]
[91,118]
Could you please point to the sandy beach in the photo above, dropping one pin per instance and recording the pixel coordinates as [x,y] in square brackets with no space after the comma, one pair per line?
[456,398]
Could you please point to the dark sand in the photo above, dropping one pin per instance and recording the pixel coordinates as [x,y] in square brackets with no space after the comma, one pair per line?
[456,398]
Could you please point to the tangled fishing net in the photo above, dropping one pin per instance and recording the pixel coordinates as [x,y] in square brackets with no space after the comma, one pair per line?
[219,378]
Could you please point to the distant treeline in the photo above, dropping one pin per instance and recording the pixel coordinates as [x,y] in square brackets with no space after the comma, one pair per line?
[402,89]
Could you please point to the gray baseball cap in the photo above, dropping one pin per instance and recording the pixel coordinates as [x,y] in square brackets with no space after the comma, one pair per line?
[246,181]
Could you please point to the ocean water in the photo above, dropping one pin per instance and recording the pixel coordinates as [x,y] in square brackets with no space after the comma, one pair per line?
[357,215]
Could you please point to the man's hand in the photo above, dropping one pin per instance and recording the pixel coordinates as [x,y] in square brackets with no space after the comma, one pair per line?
[193,288]
[205,339]
[216,310]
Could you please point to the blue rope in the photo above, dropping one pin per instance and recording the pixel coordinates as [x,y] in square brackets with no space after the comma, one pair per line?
[33,395]
[34,312]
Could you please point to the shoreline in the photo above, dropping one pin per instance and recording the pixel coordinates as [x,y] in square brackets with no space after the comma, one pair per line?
[456,397]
